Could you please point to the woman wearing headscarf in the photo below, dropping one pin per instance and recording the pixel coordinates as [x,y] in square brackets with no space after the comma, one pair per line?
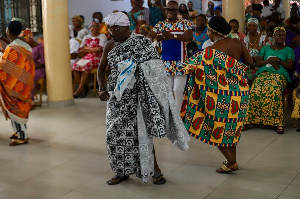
[79,30]
[38,56]
[216,97]
[254,42]
[16,83]
[275,61]
[92,46]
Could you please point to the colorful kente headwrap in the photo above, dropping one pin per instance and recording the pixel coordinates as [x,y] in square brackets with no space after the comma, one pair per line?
[27,34]
[277,29]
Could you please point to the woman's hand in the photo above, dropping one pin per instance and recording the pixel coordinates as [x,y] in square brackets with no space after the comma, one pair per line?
[271,60]
[103,95]
[275,65]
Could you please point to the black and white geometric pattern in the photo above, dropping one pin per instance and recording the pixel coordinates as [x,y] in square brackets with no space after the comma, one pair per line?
[140,114]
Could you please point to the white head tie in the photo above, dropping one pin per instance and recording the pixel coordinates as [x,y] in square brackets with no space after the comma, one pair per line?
[117,19]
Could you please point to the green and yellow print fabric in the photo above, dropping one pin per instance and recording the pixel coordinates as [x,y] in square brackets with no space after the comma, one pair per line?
[216,98]
[266,106]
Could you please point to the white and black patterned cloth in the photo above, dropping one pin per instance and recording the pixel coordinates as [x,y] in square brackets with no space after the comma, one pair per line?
[143,111]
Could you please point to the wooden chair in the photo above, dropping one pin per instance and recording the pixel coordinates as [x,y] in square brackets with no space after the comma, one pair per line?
[94,73]
[42,85]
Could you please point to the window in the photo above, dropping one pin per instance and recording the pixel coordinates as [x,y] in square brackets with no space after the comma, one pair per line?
[30,11]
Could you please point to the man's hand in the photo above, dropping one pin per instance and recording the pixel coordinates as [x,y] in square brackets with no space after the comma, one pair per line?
[159,38]
[167,36]
[103,95]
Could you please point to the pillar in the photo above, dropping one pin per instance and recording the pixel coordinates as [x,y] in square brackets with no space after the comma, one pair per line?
[57,53]
[233,9]
[287,6]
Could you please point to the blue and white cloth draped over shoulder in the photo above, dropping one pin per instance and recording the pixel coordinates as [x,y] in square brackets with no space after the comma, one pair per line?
[126,78]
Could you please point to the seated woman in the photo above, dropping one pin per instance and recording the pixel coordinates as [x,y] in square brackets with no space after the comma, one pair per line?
[38,57]
[216,97]
[78,28]
[266,107]
[254,42]
[234,23]
[92,46]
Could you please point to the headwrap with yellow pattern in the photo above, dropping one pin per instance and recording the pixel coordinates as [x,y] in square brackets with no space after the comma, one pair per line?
[27,34]
[277,29]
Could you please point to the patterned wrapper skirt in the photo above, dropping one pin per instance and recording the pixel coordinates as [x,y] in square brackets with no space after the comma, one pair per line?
[296,109]
[216,98]
[266,106]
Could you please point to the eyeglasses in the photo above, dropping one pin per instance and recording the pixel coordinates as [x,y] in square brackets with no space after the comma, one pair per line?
[114,30]
[171,9]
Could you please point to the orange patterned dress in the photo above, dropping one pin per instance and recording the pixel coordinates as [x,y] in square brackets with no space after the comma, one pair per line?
[16,80]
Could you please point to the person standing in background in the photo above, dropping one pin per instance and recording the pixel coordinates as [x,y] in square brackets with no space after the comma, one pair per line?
[200,32]
[174,34]
[192,13]
[157,12]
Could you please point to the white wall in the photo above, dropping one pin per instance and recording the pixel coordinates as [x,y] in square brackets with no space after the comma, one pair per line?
[88,7]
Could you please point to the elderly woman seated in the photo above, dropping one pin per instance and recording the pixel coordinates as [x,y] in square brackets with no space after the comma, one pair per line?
[254,43]
[92,46]
[266,106]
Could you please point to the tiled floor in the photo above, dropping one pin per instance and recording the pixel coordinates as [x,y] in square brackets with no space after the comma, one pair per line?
[66,158]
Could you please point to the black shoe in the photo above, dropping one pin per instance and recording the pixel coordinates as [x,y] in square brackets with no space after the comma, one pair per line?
[158,179]
[120,179]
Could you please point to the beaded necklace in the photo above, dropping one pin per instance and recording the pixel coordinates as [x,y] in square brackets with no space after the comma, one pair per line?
[252,45]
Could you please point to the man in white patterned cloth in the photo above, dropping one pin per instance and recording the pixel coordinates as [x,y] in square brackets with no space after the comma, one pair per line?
[140,104]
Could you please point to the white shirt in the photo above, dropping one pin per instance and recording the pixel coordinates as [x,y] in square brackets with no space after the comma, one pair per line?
[207,43]
[281,10]
[266,11]
[83,32]
[74,46]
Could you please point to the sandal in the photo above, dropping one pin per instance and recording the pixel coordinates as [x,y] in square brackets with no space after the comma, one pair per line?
[158,178]
[117,180]
[16,142]
[280,130]
[226,169]
[14,136]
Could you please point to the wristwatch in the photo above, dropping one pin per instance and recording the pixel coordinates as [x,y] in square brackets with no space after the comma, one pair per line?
[175,36]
